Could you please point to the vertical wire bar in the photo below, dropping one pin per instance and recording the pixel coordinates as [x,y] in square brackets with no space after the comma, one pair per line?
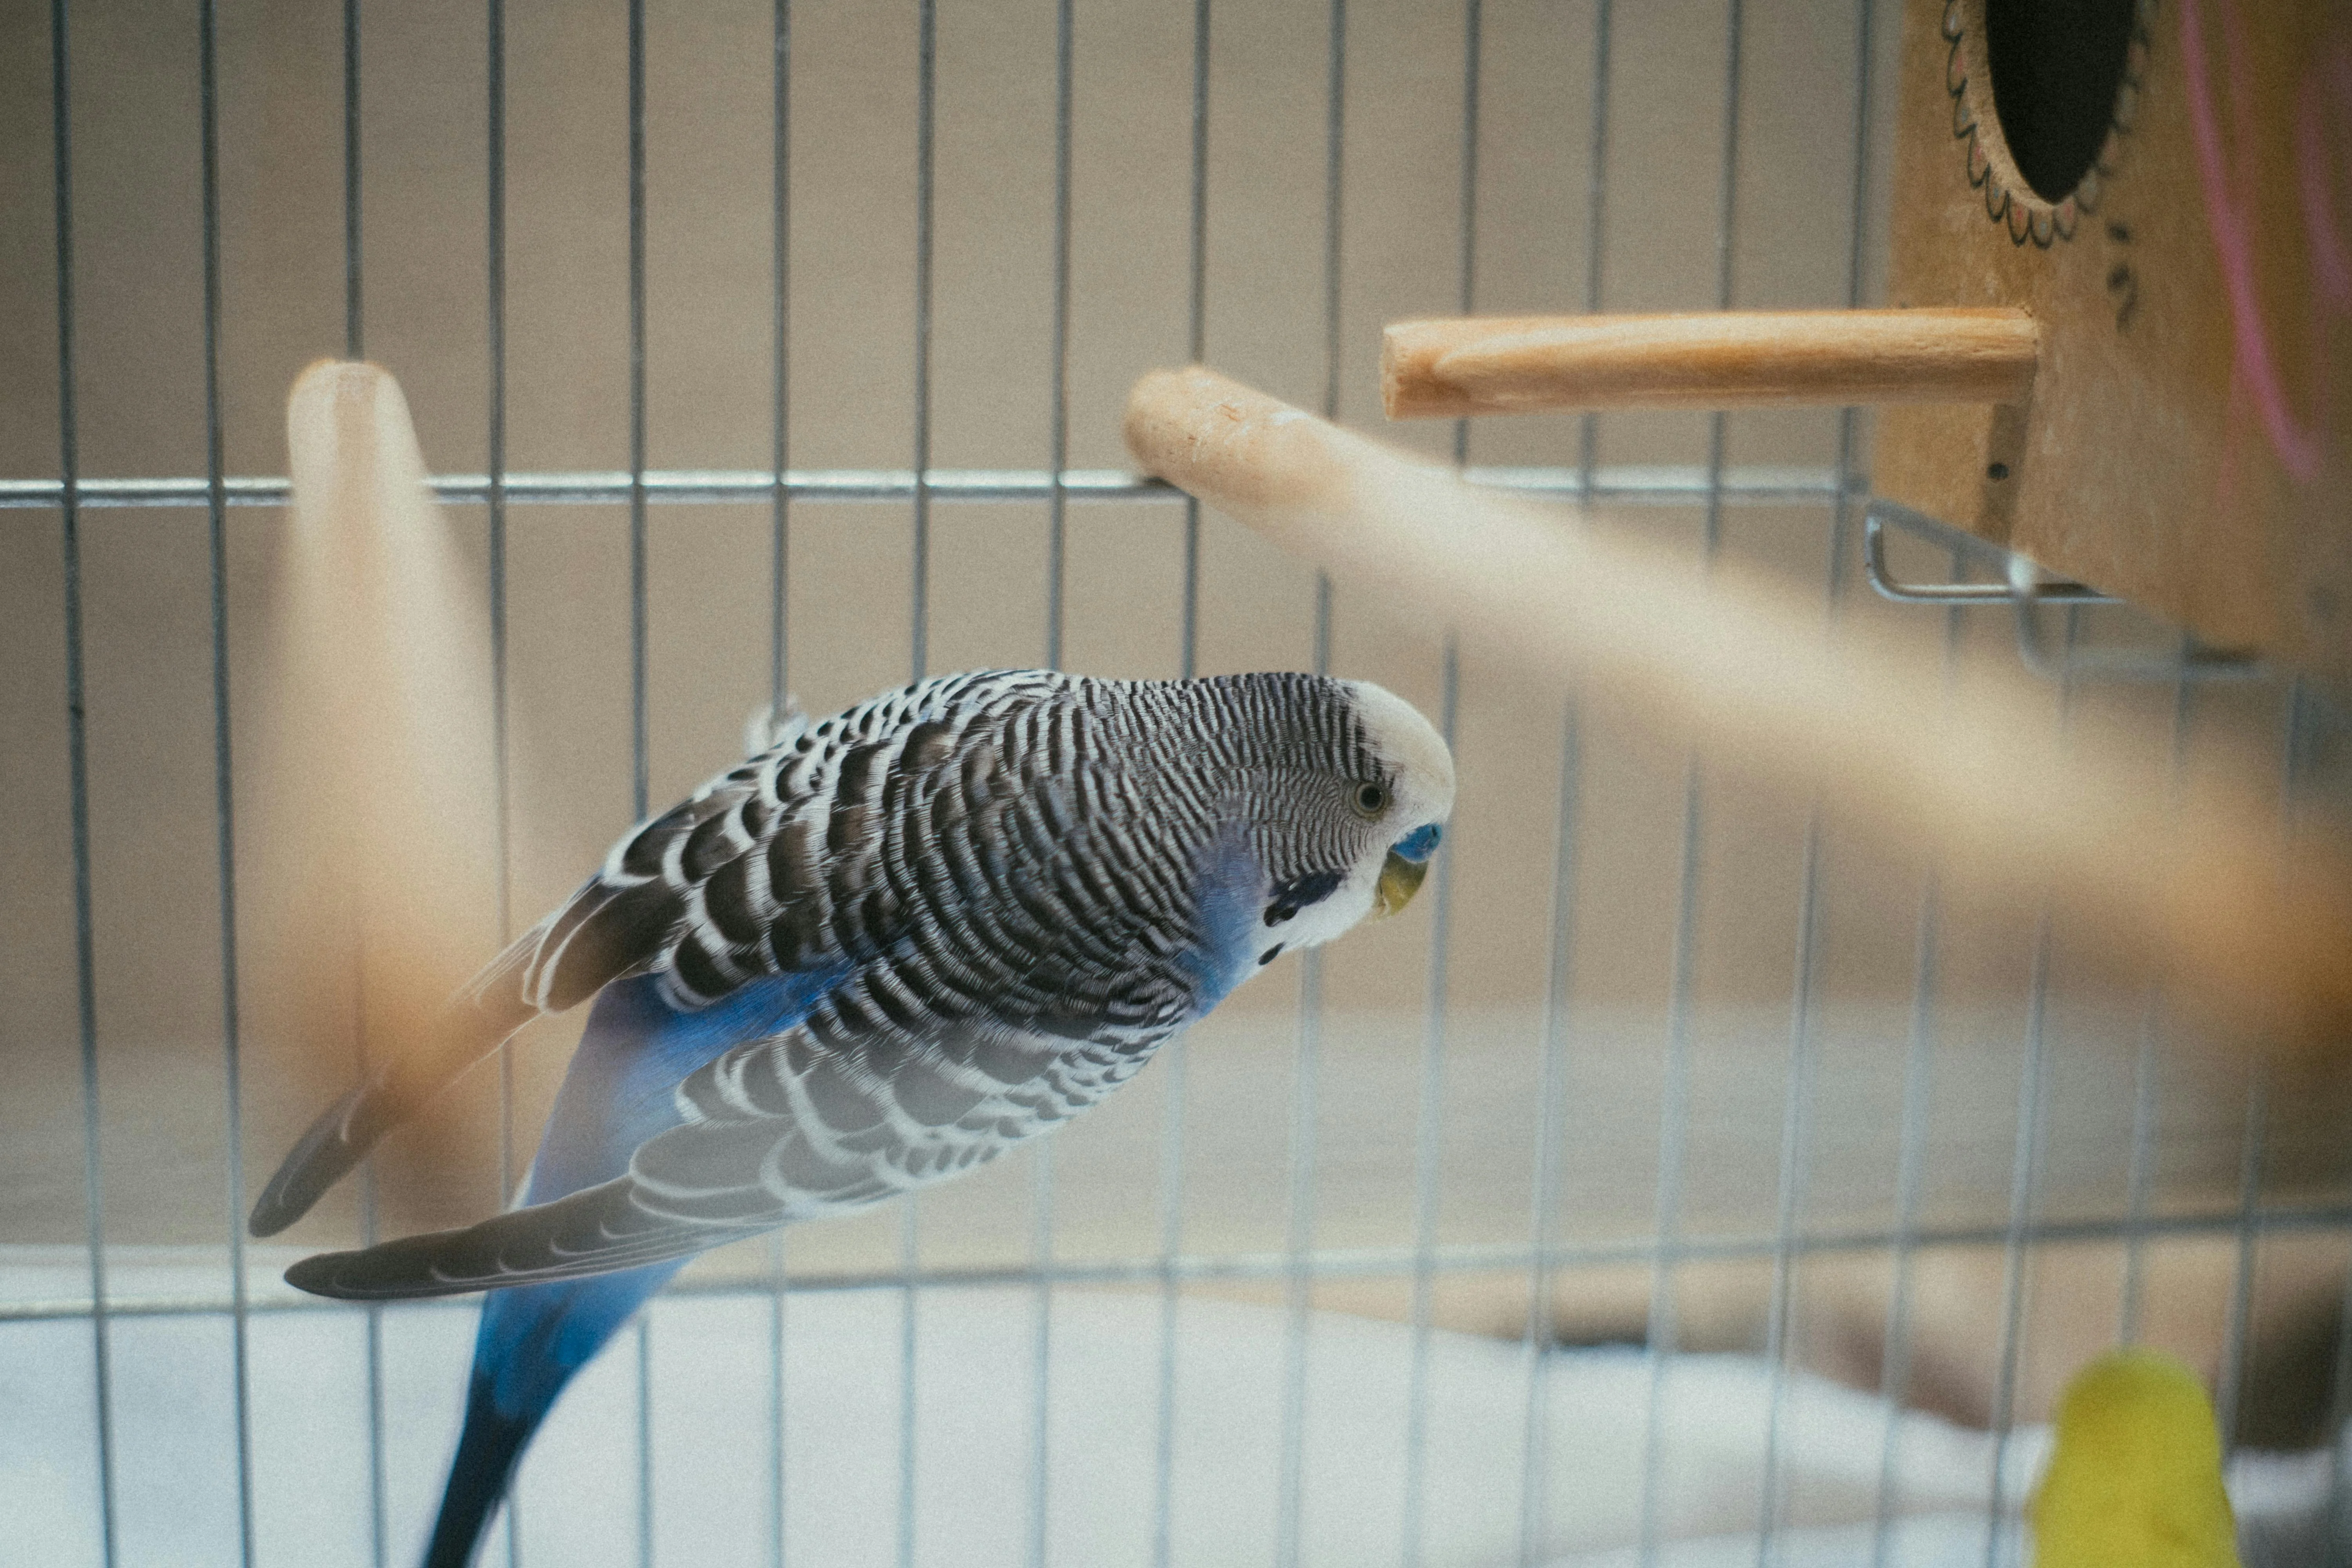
[1674,1122]
[495,302]
[379,1495]
[1299,1241]
[1550,1112]
[1726,234]
[776,1275]
[1041,1348]
[1042,1194]
[2230,1397]
[1171,1242]
[2140,1174]
[1429,1122]
[355,321]
[77,773]
[1290,1494]
[1534,1486]
[1910,1171]
[355,347]
[1596,216]
[1196,335]
[223,795]
[910,1260]
[779,565]
[1466,262]
[1057,498]
[2025,1171]
[494,230]
[639,750]
[780,219]
[1550,1096]
[926,96]
[1172,1055]
[1335,131]
[925,136]
[1676,1111]
[1796,1136]
[1427,1136]
[1911,1150]
[638,756]
[2339,1483]
[1796,1132]
[2338,1400]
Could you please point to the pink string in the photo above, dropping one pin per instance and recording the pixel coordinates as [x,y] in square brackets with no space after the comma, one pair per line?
[2319,159]
[2299,449]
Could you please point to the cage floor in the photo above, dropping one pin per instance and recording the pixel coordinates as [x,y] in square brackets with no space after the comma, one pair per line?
[1820,1452]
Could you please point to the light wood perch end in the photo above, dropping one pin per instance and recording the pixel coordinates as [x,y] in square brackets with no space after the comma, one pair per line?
[2198,884]
[1454,367]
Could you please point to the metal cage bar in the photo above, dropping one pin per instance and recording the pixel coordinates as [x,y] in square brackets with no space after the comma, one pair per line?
[1545,1196]
[1674,1111]
[1173,1057]
[224,794]
[1635,484]
[2025,1181]
[780,190]
[78,774]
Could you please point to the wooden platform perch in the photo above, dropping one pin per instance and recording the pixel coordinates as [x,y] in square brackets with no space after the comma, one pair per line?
[1728,359]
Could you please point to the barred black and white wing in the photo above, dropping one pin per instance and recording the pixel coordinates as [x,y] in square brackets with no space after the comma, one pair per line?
[800,858]
[814,1121]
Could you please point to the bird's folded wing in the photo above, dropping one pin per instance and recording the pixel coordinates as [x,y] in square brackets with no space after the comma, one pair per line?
[594,1231]
[810,1121]
[626,919]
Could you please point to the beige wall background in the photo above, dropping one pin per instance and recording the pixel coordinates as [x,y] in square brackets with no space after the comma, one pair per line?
[163,1102]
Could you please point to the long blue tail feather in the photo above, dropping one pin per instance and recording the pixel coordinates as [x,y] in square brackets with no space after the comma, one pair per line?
[534,1338]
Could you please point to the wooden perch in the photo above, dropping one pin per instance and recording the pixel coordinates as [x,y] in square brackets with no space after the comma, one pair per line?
[1734,359]
[375,718]
[2203,890]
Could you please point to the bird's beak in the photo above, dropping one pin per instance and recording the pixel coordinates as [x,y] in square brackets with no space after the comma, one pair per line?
[1399,879]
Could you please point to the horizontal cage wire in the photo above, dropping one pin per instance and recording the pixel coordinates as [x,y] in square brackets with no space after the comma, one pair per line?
[1673,1127]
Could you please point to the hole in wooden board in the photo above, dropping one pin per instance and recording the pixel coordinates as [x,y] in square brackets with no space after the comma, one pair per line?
[2056,66]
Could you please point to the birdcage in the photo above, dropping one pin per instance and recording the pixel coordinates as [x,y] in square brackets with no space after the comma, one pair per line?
[1683,1179]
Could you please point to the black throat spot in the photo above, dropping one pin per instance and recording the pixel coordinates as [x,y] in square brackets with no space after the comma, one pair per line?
[1295,895]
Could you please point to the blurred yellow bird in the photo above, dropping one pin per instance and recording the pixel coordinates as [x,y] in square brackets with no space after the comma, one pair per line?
[2135,1477]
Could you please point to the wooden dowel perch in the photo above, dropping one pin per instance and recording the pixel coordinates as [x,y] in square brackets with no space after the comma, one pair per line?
[376,715]
[2202,888]
[1732,359]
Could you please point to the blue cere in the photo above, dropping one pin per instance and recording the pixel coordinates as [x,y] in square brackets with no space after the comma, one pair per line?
[1417,846]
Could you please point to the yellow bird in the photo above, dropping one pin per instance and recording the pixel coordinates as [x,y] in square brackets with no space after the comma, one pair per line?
[2135,1477]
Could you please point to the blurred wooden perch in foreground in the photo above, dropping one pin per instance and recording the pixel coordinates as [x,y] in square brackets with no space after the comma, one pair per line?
[2203,888]
[378,750]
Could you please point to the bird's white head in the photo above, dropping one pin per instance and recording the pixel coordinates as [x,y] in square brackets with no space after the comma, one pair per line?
[1420,790]
[1390,816]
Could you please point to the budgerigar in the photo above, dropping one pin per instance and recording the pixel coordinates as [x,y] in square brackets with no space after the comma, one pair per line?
[887,948]
[2135,1475]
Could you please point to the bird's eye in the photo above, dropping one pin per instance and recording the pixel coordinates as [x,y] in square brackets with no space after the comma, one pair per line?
[1368,799]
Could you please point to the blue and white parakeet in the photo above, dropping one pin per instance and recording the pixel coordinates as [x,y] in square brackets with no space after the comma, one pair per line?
[887,948]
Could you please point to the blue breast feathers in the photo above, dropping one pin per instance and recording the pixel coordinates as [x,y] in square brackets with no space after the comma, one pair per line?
[1231,886]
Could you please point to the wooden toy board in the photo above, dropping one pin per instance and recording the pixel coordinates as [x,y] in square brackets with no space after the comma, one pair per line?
[2188,441]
